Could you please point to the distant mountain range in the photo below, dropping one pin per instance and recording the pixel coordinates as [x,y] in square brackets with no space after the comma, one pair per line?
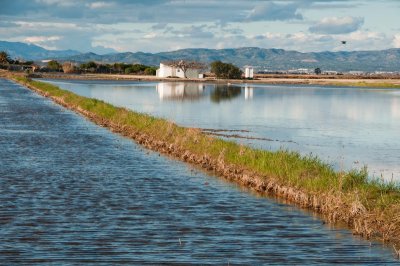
[271,59]
[19,50]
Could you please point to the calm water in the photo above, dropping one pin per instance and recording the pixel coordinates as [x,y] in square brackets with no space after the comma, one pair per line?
[72,193]
[346,127]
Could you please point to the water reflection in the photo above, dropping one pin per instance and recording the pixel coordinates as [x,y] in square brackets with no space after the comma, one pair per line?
[223,93]
[342,126]
[180,91]
[73,193]
[195,91]
[248,92]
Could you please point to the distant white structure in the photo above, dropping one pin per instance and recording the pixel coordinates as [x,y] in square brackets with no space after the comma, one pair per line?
[248,72]
[384,72]
[330,72]
[168,71]
[299,71]
[356,72]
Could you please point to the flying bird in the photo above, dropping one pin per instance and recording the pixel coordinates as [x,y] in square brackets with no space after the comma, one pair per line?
[344,42]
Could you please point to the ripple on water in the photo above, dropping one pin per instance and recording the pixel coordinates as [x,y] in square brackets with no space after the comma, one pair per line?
[73,193]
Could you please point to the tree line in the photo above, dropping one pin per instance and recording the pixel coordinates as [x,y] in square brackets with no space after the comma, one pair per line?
[218,68]
[5,59]
[93,67]
[70,67]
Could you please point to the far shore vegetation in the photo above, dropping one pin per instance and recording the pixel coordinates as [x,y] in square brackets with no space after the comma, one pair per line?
[367,84]
[371,207]
[93,67]
[225,70]
[218,71]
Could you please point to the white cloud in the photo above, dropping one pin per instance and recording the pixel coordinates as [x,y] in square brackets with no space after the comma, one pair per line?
[45,26]
[96,5]
[47,42]
[41,39]
[162,25]
[310,42]
[299,41]
[396,41]
[61,3]
[335,25]
[271,11]
[366,35]
[194,31]
[150,35]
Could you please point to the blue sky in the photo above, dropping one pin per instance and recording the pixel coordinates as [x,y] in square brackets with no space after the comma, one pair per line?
[166,25]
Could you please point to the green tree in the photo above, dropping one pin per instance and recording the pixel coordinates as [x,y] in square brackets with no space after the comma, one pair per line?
[120,67]
[4,58]
[225,70]
[317,71]
[53,65]
[151,71]
[90,66]
[103,68]
[137,68]
[128,70]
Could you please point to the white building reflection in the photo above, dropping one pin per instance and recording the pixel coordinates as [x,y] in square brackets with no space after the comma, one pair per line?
[248,92]
[180,91]
[395,108]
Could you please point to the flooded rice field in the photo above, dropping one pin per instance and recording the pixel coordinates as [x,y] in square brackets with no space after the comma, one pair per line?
[346,127]
[74,193]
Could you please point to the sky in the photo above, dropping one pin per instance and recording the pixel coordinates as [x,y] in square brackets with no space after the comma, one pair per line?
[167,25]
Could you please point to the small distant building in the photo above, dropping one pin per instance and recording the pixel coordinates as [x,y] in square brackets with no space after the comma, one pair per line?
[299,71]
[356,73]
[169,71]
[248,72]
[384,72]
[330,72]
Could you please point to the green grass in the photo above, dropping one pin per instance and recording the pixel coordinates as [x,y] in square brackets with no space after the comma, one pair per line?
[366,84]
[307,174]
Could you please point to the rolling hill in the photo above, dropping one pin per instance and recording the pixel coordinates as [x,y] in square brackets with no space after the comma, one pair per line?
[19,50]
[260,58]
[272,59]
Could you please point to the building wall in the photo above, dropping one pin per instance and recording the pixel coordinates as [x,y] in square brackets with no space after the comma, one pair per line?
[178,72]
[193,73]
[164,71]
[167,71]
[249,72]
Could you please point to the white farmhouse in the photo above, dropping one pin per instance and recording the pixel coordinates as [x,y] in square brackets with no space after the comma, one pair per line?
[169,71]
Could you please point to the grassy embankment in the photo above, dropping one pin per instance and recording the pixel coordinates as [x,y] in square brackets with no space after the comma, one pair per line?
[370,208]
[368,84]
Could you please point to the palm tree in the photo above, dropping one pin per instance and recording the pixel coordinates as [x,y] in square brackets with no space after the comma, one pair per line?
[4,58]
